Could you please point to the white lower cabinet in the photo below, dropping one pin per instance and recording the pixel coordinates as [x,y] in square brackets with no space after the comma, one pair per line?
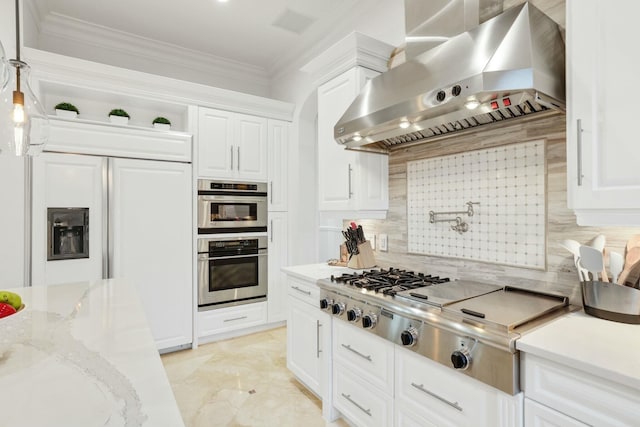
[308,336]
[227,319]
[362,404]
[573,395]
[538,415]
[440,396]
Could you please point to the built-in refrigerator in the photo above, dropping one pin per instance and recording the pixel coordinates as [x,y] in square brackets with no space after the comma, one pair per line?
[97,217]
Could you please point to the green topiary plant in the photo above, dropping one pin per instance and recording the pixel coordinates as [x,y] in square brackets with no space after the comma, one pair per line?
[119,112]
[67,107]
[161,120]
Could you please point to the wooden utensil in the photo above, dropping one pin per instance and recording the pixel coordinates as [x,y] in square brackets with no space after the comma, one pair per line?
[630,276]
[632,255]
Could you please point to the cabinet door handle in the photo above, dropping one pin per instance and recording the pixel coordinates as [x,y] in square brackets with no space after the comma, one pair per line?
[301,290]
[271,192]
[440,398]
[238,157]
[231,157]
[271,231]
[348,397]
[235,318]
[579,138]
[350,190]
[318,324]
[348,347]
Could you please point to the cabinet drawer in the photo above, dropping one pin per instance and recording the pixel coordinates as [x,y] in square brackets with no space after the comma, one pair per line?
[537,415]
[231,318]
[451,397]
[306,291]
[590,399]
[368,355]
[361,404]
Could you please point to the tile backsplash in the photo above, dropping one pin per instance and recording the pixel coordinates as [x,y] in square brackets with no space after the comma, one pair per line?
[506,185]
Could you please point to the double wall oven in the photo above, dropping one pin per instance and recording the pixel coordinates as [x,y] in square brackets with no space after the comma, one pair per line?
[232,244]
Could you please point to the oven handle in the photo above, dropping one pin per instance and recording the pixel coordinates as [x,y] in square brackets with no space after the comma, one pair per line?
[206,257]
[237,199]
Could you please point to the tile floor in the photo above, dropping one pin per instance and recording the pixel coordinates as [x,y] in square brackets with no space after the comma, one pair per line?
[241,382]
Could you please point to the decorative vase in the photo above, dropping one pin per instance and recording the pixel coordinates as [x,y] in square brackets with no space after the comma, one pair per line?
[119,120]
[162,126]
[66,114]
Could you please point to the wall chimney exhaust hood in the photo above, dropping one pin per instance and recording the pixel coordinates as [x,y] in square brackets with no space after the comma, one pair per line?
[510,66]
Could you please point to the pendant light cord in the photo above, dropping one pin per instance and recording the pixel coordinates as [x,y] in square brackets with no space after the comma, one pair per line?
[18,45]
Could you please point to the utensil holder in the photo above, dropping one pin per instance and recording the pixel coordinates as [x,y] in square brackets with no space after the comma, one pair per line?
[364,258]
[611,301]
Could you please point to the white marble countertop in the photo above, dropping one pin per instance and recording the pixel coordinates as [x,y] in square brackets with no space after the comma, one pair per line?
[82,355]
[316,271]
[607,349]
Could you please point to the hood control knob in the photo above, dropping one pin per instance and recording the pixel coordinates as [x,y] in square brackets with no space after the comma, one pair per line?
[325,303]
[461,359]
[409,337]
[369,321]
[338,308]
[456,90]
[354,314]
[440,96]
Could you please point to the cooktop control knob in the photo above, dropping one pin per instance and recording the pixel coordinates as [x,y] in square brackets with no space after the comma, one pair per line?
[456,90]
[369,321]
[461,359]
[354,314]
[409,337]
[441,95]
[325,303]
[338,308]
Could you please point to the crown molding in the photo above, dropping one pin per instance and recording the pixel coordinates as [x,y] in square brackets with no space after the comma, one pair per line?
[81,74]
[64,28]
[356,49]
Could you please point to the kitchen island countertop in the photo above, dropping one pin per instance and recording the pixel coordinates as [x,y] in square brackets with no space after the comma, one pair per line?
[82,355]
[607,349]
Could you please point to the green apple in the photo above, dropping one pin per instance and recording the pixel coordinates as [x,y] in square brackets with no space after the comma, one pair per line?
[10,298]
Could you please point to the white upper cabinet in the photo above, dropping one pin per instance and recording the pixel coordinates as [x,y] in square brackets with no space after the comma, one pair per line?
[348,180]
[278,150]
[603,147]
[231,146]
[215,143]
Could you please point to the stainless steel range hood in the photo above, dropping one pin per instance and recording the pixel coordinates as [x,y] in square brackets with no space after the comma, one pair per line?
[509,66]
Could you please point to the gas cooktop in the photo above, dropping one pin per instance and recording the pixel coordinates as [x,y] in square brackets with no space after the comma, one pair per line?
[466,325]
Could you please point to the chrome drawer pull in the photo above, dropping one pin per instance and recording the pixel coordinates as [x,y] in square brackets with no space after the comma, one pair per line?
[301,290]
[348,347]
[235,318]
[348,397]
[318,351]
[441,399]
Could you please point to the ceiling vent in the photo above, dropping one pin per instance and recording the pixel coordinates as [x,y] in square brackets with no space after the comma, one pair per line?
[293,21]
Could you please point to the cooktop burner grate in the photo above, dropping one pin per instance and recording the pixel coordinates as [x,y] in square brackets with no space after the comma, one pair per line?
[388,282]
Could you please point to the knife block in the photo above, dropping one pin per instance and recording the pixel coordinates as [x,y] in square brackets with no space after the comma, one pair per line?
[364,258]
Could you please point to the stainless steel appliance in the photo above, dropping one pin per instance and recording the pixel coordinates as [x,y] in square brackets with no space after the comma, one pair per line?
[231,271]
[231,207]
[510,66]
[471,327]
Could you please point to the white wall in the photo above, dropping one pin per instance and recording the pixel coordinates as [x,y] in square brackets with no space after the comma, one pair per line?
[384,20]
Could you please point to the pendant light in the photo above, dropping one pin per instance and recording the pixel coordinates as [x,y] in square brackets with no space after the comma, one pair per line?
[24,126]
